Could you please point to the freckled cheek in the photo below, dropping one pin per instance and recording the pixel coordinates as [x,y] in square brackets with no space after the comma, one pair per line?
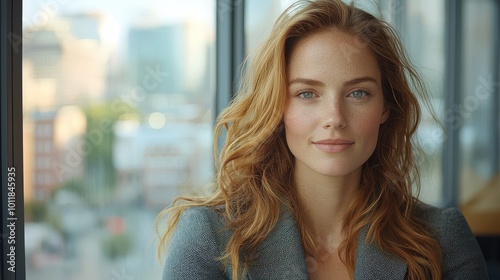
[292,126]
[368,126]
[297,122]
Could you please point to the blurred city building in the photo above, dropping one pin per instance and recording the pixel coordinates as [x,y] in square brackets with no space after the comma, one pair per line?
[65,63]
[165,162]
[59,149]
[68,58]
[175,61]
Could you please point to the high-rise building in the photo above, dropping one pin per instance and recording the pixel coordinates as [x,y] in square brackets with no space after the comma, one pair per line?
[168,65]
[156,55]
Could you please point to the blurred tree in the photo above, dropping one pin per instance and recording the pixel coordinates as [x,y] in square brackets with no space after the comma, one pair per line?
[117,245]
[100,176]
[35,211]
[76,186]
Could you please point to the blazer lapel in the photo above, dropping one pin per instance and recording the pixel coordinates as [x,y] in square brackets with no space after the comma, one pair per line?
[281,255]
[373,263]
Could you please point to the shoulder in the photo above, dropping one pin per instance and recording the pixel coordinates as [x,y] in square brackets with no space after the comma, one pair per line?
[462,257]
[197,243]
[200,218]
[441,218]
[202,227]
[445,222]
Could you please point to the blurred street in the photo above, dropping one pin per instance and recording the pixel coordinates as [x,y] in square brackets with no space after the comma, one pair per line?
[90,262]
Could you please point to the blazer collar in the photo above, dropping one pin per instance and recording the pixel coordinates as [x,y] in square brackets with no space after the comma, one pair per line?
[281,256]
[374,263]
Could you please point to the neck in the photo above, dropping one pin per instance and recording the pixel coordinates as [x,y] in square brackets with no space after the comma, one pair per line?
[324,201]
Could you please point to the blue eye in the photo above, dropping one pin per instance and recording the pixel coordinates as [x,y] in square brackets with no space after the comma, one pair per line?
[306,95]
[358,94]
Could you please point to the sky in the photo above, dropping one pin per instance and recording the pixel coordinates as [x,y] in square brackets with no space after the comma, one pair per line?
[124,11]
[120,14]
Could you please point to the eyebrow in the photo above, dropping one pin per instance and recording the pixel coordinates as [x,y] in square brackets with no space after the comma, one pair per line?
[312,82]
[309,82]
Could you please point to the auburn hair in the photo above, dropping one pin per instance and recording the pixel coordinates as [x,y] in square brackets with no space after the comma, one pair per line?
[254,168]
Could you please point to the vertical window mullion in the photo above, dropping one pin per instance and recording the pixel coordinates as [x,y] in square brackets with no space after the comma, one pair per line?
[452,96]
[11,149]
[495,114]
[230,49]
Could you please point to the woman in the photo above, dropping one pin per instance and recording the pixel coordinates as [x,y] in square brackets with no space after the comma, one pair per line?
[315,178]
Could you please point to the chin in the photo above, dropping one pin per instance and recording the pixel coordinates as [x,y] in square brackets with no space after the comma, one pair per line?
[336,171]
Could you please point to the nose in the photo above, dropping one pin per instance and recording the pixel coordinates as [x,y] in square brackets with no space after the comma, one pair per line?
[335,114]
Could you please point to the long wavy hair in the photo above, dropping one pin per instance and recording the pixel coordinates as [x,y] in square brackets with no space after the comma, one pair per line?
[254,168]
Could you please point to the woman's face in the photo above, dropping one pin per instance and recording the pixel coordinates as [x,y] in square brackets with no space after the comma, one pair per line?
[335,104]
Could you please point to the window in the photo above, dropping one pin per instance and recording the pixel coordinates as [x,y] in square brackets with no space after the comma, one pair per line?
[477,114]
[117,122]
[423,34]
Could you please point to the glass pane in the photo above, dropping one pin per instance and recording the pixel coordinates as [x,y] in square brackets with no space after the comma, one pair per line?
[118,112]
[423,36]
[479,188]
[260,16]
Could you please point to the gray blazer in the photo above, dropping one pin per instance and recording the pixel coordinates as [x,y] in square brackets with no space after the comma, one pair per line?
[201,237]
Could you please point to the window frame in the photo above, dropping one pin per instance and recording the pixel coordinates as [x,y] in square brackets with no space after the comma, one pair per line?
[452,96]
[11,147]
[230,51]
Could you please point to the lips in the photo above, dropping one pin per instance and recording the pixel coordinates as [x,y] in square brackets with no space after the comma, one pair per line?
[333,145]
